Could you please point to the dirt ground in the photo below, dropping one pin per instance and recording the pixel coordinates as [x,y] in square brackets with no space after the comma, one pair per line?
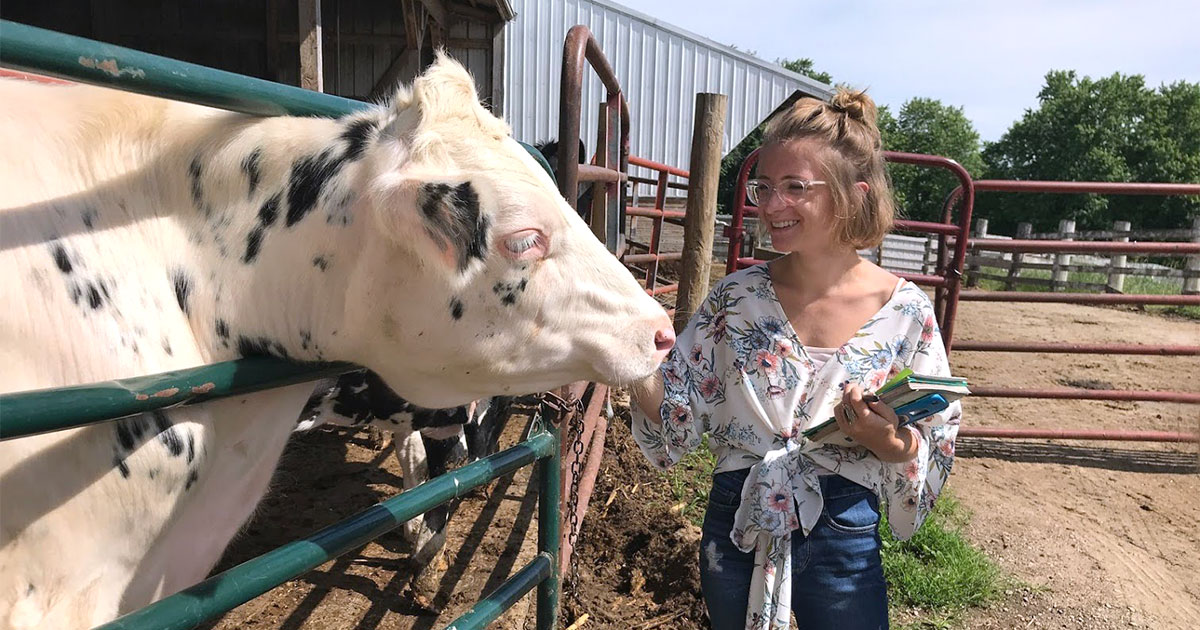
[1102,535]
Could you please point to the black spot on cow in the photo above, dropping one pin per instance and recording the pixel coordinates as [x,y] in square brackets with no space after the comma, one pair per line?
[456,308]
[222,329]
[168,434]
[253,244]
[89,218]
[166,346]
[509,291]
[93,296]
[320,262]
[119,464]
[193,477]
[194,173]
[183,289]
[357,135]
[76,293]
[260,347]
[308,178]
[191,446]
[253,171]
[453,219]
[269,212]
[305,339]
[61,259]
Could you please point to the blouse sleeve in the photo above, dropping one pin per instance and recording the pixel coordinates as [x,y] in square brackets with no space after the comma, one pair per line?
[911,488]
[681,423]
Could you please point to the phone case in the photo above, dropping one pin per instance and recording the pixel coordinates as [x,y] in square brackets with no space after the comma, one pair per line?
[921,408]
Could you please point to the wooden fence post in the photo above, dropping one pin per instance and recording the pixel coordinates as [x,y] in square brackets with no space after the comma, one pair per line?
[1116,281]
[1058,275]
[312,71]
[1191,284]
[699,223]
[981,231]
[1014,268]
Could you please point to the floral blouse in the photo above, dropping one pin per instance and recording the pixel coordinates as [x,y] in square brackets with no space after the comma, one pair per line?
[739,373]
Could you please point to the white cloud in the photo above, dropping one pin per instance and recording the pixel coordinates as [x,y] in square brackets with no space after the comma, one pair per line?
[989,58]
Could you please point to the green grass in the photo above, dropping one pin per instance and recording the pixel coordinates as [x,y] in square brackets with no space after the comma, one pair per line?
[690,481]
[1139,285]
[937,571]
[935,575]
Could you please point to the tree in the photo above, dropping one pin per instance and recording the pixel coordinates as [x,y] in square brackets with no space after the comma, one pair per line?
[1112,129]
[925,125]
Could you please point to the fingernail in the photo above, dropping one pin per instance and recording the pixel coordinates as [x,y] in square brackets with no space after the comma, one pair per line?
[870,398]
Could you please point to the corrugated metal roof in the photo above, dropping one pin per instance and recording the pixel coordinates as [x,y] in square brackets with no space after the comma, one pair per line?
[661,68]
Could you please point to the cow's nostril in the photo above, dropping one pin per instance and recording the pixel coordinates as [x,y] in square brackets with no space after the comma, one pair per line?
[664,339]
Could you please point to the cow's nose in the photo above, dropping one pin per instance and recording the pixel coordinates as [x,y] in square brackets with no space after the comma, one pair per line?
[664,339]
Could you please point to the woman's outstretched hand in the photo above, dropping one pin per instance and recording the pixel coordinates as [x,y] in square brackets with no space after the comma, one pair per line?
[870,422]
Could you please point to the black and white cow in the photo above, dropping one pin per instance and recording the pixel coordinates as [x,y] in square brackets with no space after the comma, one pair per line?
[139,235]
[428,442]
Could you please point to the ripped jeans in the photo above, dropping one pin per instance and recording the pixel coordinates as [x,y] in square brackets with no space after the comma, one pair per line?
[837,575]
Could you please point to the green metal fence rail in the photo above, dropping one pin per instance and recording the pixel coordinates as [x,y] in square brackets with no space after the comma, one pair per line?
[48,53]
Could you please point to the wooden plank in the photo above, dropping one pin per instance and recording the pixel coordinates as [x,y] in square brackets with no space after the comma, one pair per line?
[312,76]
[497,100]
[437,11]
[404,66]
[700,221]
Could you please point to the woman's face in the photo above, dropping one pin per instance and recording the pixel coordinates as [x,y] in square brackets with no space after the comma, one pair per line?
[806,223]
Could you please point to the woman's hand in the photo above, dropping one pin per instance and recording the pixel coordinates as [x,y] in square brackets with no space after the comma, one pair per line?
[648,393]
[874,425]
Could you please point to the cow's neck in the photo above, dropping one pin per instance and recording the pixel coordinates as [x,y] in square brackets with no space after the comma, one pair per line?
[277,219]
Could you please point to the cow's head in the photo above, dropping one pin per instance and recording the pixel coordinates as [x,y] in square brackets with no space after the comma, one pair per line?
[482,279]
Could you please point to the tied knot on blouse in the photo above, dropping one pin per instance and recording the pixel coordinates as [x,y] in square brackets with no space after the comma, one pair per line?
[784,482]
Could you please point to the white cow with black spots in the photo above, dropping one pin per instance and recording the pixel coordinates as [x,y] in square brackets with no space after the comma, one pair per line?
[139,235]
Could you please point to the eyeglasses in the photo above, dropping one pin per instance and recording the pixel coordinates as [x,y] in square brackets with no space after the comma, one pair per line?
[790,190]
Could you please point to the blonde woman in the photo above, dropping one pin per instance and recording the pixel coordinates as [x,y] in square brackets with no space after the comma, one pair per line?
[792,525]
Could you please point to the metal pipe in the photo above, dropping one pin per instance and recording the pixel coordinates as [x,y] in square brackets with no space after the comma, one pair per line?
[1082,247]
[593,173]
[549,472]
[668,288]
[927,226]
[1078,298]
[500,600]
[931,281]
[40,51]
[658,166]
[46,410]
[654,213]
[1101,188]
[236,586]
[637,259]
[1076,348]
[1085,394]
[736,231]
[1066,434]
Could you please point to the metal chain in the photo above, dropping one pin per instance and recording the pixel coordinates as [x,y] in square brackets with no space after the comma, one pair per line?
[577,446]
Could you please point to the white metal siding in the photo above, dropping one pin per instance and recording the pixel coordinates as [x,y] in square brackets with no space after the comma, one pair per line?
[661,69]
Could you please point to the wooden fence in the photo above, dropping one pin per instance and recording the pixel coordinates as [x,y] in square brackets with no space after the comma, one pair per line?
[1007,268]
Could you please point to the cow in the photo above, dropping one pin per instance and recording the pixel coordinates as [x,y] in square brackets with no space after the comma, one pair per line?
[138,235]
[427,442]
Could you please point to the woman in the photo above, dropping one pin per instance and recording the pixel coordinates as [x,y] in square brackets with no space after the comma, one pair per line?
[777,348]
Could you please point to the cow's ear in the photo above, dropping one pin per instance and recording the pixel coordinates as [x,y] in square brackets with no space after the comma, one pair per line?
[443,220]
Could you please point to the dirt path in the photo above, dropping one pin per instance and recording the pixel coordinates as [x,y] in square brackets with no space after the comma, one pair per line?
[1111,531]
[1106,535]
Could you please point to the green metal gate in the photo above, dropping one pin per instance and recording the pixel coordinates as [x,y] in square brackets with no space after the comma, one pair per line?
[27,413]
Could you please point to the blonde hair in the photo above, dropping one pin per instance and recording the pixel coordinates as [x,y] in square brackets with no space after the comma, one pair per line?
[846,126]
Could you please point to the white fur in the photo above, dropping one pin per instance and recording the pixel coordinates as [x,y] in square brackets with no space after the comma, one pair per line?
[79,542]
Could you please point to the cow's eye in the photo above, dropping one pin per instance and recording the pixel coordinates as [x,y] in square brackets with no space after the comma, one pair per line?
[525,244]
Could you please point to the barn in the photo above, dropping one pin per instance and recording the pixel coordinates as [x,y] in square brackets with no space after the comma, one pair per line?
[513,48]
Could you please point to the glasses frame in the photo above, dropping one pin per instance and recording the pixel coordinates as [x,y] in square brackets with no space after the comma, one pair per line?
[790,199]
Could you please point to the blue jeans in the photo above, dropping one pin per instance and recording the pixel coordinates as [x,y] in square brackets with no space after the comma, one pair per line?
[837,575]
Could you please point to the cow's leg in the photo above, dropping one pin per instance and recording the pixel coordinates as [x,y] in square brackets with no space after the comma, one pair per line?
[410,451]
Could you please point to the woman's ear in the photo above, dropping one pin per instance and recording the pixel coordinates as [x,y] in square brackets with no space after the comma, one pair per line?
[862,187]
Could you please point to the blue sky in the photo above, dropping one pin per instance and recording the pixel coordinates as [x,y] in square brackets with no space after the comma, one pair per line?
[989,58]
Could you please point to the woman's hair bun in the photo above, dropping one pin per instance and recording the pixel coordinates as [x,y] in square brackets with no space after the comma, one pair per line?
[855,104]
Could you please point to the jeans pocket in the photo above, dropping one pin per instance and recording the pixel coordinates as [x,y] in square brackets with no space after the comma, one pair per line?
[854,513]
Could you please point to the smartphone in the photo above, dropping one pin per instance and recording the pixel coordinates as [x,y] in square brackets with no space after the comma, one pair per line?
[921,408]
